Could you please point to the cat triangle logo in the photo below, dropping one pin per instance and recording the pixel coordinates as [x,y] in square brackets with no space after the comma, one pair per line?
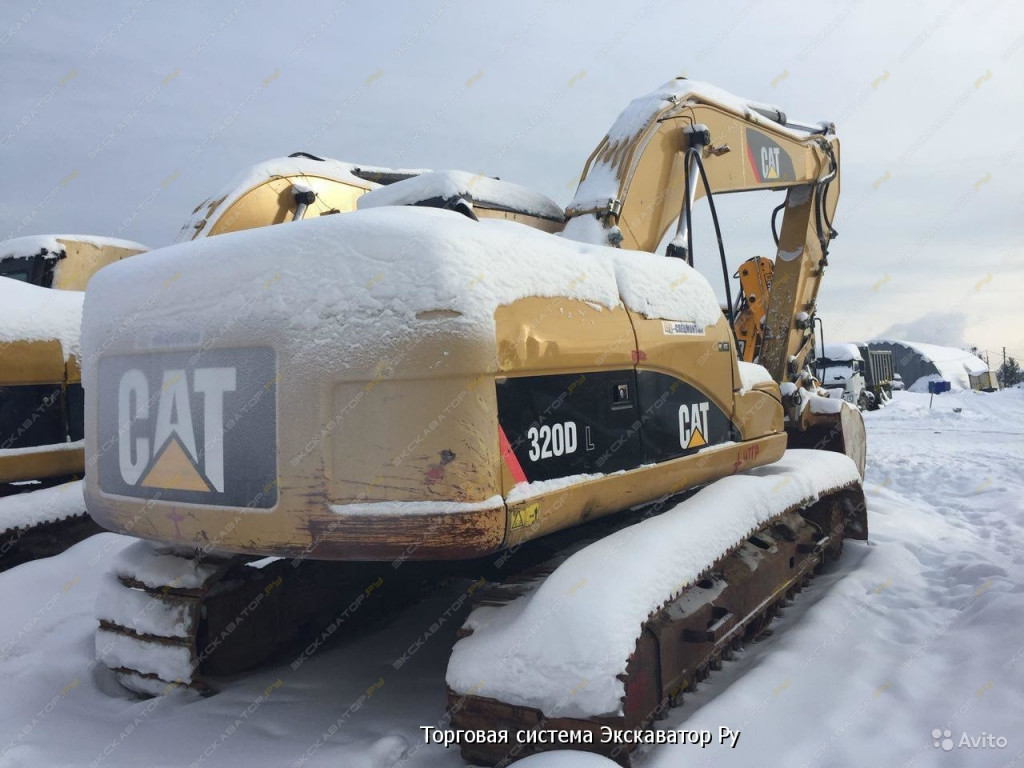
[174,468]
[693,424]
[770,163]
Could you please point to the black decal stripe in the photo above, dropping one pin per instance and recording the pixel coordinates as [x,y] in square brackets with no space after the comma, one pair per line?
[622,419]
[606,437]
[33,415]
[662,397]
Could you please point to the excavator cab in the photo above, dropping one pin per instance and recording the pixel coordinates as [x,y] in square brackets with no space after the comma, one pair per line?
[36,269]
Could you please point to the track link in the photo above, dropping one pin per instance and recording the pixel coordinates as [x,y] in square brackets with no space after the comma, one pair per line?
[686,639]
[173,620]
[35,523]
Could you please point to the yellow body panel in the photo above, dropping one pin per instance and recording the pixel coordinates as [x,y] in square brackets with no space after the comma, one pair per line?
[590,499]
[45,462]
[26,363]
[84,259]
[708,360]
[561,335]
[37,362]
[271,202]
[755,276]
[425,423]
[32,362]
[536,222]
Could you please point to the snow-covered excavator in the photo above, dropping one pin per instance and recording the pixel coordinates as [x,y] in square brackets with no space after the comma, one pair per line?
[460,379]
[41,453]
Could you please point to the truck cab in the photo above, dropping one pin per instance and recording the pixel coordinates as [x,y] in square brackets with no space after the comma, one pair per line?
[840,369]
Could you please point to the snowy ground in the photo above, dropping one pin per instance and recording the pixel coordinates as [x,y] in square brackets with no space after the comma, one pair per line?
[919,629]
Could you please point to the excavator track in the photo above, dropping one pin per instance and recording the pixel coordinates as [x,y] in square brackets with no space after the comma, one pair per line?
[731,603]
[36,520]
[171,619]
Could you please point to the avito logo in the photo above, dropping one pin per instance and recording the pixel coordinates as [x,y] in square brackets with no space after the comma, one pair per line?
[192,427]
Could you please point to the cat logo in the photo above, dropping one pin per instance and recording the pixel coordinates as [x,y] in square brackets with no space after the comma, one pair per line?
[767,159]
[770,162]
[191,427]
[171,459]
[693,424]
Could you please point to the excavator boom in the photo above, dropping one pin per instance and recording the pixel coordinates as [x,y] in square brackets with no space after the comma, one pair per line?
[634,183]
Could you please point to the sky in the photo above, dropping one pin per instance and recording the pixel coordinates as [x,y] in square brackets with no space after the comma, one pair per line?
[118,118]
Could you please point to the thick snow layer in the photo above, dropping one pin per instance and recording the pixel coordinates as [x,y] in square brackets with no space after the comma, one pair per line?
[581,625]
[138,562]
[450,185]
[262,172]
[30,245]
[585,229]
[650,283]
[172,663]
[40,314]
[601,183]
[752,374]
[838,351]
[136,610]
[23,510]
[658,287]
[354,284]
[954,365]
[833,404]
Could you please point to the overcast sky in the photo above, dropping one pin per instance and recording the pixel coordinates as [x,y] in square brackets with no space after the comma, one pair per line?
[118,118]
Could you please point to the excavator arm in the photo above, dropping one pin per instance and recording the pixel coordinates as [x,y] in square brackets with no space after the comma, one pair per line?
[637,179]
[755,276]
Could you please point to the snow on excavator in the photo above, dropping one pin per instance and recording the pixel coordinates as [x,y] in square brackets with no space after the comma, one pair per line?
[328,418]
[42,510]
[41,452]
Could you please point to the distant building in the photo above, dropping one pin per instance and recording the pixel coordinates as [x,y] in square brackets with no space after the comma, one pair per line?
[920,363]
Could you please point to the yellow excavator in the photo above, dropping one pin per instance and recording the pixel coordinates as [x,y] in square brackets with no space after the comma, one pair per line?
[460,379]
[41,449]
[41,403]
[300,186]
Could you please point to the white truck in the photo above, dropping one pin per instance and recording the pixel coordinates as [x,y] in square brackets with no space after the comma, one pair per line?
[863,377]
[840,369]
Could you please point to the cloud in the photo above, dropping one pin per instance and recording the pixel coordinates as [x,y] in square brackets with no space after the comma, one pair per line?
[944,328]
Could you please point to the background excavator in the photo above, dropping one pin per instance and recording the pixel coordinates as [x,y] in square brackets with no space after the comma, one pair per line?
[41,452]
[332,417]
[41,416]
